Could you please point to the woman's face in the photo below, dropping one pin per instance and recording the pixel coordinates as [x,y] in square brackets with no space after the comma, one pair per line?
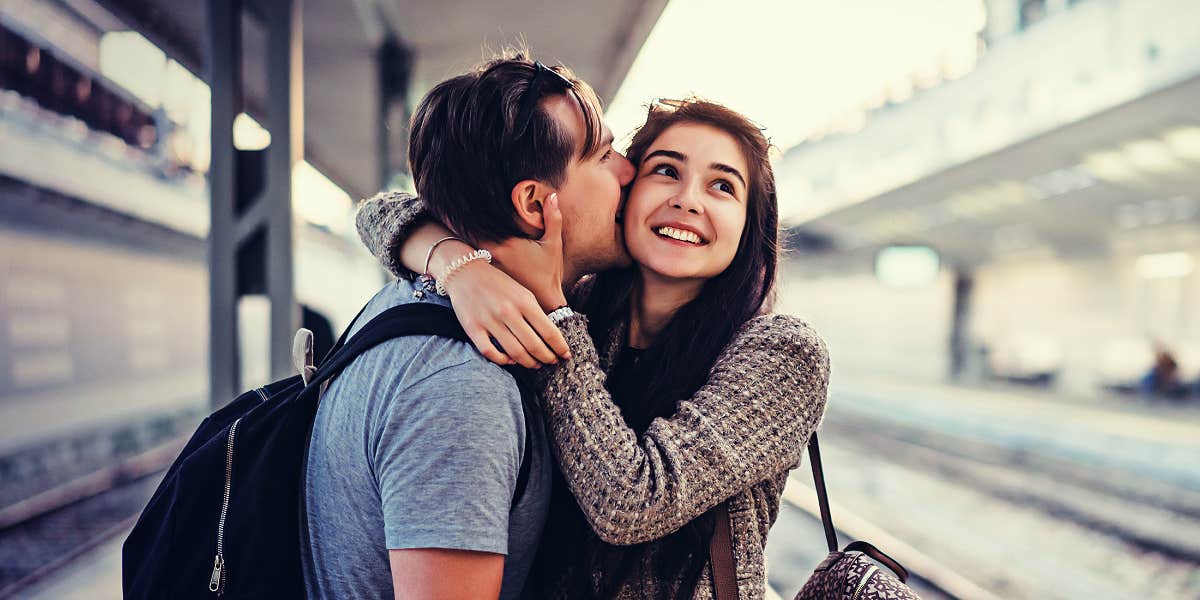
[686,211]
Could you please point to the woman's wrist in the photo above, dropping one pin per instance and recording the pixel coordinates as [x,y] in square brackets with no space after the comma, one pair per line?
[551,301]
[446,253]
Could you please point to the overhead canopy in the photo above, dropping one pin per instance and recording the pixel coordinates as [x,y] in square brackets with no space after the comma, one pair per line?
[1127,175]
[599,40]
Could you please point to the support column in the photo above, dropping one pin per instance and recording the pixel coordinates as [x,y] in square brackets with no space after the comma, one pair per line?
[395,69]
[963,284]
[224,63]
[285,97]
[251,240]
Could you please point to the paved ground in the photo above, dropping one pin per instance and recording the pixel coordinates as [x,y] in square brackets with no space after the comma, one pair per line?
[1011,550]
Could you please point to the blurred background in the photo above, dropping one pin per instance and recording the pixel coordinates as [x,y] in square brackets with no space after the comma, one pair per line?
[991,210]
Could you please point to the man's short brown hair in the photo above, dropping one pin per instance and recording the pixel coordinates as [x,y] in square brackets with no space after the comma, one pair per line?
[465,152]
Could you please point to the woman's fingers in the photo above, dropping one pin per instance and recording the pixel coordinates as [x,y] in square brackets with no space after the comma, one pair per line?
[513,348]
[549,333]
[533,344]
[553,218]
[484,344]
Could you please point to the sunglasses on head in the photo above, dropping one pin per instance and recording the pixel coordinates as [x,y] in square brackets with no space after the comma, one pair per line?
[670,103]
[544,80]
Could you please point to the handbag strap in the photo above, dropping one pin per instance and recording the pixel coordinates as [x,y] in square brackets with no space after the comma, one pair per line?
[720,553]
[814,457]
[720,547]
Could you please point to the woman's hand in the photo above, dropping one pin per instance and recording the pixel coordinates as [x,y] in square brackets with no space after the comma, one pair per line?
[537,264]
[493,308]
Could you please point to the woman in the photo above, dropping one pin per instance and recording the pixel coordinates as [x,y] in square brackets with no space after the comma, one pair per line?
[708,399]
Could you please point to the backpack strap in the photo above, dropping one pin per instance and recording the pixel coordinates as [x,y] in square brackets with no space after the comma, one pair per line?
[397,321]
[417,318]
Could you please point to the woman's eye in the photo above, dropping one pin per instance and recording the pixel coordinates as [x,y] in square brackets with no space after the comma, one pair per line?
[667,170]
[607,155]
[724,186]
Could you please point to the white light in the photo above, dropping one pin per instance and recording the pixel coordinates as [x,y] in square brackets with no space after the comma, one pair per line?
[1059,182]
[907,266]
[1184,142]
[248,134]
[1169,264]
[1110,166]
[319,200]
[1153,156]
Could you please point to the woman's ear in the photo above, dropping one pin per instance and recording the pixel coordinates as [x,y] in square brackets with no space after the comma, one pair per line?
[528,197]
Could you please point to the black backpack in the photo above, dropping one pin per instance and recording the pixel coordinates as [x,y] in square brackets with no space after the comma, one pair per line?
[228,517]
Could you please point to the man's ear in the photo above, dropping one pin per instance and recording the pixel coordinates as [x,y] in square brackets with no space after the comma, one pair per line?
[528,197]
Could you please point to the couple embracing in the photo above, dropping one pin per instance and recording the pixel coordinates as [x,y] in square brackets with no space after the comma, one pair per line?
[634,289]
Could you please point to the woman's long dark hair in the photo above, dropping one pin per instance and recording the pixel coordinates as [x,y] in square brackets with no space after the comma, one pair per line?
[678,362]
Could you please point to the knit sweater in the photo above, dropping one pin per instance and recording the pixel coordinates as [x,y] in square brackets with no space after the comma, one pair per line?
[736,438]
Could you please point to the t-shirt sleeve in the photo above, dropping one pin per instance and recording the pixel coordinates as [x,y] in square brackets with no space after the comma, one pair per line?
[447,458]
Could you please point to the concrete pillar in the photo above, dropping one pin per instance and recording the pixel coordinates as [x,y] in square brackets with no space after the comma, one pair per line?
[251,240]
[964,282]
[224,62]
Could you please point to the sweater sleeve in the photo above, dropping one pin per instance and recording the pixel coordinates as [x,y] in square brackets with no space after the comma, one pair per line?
[384,221]
[751,420]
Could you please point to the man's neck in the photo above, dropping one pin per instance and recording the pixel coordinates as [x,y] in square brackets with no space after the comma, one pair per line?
[655,302]
[571,276]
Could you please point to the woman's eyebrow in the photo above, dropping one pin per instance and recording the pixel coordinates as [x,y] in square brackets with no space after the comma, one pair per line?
[728,169]
[679,156]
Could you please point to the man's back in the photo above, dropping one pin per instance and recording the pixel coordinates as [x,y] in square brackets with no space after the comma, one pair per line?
[418,444]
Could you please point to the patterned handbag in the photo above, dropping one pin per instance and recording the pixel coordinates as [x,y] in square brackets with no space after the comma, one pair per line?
[845,575]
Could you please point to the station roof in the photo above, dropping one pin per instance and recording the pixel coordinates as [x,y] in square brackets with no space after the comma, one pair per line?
[1123,177]
[598,40]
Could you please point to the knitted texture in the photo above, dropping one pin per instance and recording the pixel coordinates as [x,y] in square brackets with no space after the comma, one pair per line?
[384,222]
[736,439]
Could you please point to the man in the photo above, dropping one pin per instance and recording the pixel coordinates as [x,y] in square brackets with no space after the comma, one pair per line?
[417,447]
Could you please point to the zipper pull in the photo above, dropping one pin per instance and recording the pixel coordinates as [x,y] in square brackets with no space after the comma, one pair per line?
[214,584]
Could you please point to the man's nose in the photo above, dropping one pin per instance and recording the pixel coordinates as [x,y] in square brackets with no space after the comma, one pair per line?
[625,170]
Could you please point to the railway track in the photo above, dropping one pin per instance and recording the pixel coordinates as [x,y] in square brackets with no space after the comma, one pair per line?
[41,534]
[1149,515]
[929,577]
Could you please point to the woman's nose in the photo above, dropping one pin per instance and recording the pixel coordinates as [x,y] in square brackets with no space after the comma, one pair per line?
[687,200]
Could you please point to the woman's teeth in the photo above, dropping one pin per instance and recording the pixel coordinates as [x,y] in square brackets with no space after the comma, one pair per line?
[678,234]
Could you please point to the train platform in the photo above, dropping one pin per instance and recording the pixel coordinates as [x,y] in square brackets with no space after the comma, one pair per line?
[895,447]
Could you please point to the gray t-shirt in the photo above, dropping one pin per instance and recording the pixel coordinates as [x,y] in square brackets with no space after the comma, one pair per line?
[418,444]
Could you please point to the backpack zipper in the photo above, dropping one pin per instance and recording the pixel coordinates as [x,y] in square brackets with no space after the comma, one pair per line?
[862,583]
[216,583]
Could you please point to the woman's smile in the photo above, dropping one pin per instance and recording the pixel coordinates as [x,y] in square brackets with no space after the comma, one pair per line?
[679,234]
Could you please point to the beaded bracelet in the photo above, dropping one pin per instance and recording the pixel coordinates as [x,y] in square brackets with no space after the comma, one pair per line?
[458,264]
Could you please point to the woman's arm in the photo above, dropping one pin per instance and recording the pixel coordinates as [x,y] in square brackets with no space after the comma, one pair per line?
[751,420]
[385,221]
[489,304]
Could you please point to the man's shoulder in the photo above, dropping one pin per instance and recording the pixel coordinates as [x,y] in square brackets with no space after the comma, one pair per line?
[425,361]
[423,365]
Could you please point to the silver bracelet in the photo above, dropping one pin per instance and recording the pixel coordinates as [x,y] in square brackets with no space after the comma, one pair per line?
[458,264]
[429,255]
[560,314]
